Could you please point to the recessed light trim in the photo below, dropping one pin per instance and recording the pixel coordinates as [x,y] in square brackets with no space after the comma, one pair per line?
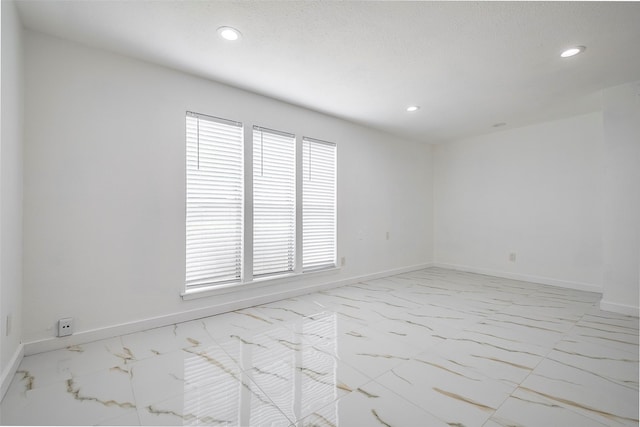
[413,108]
[573,51]
[499,125]
[229,33]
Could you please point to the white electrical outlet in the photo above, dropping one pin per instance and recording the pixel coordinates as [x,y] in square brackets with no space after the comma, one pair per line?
[65,327]
[387,235]
[8,325]
[343,261]
[512,257]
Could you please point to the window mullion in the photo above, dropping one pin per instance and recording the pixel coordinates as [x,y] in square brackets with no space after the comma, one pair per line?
[298,265]
[247,268]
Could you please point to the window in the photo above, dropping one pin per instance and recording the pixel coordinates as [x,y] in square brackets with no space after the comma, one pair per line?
[274,202]
[214,201]
[318,204]
[258,204]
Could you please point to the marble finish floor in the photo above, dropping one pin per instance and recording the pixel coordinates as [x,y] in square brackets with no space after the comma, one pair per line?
[428,348]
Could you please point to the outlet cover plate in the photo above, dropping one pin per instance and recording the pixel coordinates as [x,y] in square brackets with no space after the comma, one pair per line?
[65,327]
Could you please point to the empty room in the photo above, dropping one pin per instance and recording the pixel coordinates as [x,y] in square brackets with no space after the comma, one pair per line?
[257,213]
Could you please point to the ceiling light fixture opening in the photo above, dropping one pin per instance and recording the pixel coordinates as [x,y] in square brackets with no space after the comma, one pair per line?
[229,33]
[499,125]
[413,108]
[572,51]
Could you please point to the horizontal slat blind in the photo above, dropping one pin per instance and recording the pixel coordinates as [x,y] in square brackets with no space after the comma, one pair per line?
[274,202]
[214,201]
[318,204]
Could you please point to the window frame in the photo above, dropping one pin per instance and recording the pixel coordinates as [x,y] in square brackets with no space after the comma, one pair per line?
[280,138]
[205,208]
[317,194]
[247,278]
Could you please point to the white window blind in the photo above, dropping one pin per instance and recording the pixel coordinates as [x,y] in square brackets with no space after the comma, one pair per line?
[274,202]
[214,200]
[318,204]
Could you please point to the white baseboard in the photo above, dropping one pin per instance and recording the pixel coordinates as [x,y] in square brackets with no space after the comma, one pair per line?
[625,309]
[523,277]
[55,343]
[9,372]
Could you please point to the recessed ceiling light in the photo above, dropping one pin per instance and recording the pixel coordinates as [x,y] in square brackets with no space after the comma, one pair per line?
[499,125]
[413,108]
[229,33]
[572,51]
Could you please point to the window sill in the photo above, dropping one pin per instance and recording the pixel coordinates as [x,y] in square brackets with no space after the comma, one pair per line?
[254,284]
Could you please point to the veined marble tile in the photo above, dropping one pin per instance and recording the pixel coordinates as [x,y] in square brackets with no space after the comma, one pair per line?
[610,329]
[345,293]
[369,351]
[621,339]
[516,329]
[158,378]
[298,376]
[227,401]
[528,409]
[327,301]
[605,319]
[216,391]
[480,304]
[83,400]
[320,330]
[452,318]
[421,334]
[442,347]
[393,306]
[423,292]
[605,361]
[384,284]
[154,342]
[370,405]
[550,308]
[304,384]
[260,349]
[453,393]
[581,391]
[346,304]
[380,312]
[572,296]
[249,320]
[288,309]
[556,320]
[498,358]
[55,366]
[533,320]
[383,296]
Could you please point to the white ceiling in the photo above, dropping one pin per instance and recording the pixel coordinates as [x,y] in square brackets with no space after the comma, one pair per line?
[468,64]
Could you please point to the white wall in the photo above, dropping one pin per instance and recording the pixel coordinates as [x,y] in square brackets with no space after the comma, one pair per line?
[104,187]
[621,221]
[533,191]
[11,117]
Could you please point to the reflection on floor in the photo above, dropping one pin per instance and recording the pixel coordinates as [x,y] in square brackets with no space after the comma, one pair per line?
[427,348]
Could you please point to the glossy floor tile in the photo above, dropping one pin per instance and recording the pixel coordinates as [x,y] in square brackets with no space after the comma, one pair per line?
[428,348]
